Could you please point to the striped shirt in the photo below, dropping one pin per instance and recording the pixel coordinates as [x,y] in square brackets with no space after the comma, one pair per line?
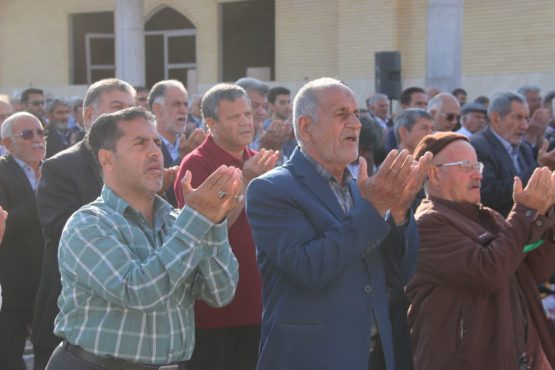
[128,288]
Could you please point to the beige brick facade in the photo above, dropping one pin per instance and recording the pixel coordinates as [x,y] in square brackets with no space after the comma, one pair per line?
[505,43]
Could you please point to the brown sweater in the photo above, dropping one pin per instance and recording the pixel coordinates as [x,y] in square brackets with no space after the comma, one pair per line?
[474,289]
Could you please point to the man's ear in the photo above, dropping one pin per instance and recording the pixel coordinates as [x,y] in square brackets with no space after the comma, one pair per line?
[105,159]
[87,117]
[433,175]
[8,143]
[156,109]
[305,128]
[494,118]
[210,122]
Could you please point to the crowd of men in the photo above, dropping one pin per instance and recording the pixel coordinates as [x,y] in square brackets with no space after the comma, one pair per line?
[247,228]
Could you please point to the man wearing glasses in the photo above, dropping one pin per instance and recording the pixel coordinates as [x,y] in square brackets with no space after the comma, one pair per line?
[32,101]
[22,247]
[446,111]
[474,293]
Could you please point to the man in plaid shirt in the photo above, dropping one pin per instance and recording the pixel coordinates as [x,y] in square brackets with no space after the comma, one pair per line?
[131,265]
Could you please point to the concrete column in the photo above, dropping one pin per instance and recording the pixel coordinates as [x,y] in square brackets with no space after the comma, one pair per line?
[444,43]
[130,41]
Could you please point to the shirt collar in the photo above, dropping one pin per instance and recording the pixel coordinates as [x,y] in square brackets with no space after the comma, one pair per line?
[510,148]
[225,157]
[161,207]
[326,175]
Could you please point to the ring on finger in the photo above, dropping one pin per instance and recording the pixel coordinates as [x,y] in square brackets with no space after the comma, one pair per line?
[239,197]
[221,194]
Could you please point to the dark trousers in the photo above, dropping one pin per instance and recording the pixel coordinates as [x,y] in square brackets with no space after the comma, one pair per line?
[62,360]
[226,348]
[13,332]
[42,355]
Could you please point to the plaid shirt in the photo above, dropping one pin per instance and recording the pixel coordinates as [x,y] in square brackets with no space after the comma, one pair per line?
[128,288]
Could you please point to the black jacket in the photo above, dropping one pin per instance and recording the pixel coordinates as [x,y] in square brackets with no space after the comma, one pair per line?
[69,180]
[22,246]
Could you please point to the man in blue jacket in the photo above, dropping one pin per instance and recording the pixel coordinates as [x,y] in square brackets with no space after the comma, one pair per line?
[328,247]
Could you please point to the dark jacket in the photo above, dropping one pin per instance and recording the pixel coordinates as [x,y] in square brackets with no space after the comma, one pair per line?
[470,269]
[69,180]
[499,170]
[22,246]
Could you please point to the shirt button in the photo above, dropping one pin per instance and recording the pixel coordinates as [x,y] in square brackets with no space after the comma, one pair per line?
[528,213]
[539,223]
[368,288]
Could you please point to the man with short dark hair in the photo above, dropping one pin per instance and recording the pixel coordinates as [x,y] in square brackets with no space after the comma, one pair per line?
[279,103]
[32,101]
[412,97]
[22,248]
[461,95]
[131,265]
[229,338]
[69,180]
[411,125]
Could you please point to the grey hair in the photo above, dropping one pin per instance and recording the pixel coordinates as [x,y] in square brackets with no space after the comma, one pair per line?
[212,98]
[436,103]
[252,84]
[7,127]
[158,92]
[96,89]
[501,103]
[305,103]
[524,90]
[54,103]
[408,118]
[376,98]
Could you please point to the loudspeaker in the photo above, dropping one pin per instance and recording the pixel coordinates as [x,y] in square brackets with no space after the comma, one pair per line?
[388,73]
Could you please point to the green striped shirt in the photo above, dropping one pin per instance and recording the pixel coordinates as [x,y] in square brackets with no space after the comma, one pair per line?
[128,289]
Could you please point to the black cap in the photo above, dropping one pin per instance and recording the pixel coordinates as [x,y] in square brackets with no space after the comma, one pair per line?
[473,107]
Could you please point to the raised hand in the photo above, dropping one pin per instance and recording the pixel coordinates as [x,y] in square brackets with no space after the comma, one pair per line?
[276,135]
[259,164]
[217,195]
[539,194]
[419,169]
[169,178]
[192,142]
[384,189]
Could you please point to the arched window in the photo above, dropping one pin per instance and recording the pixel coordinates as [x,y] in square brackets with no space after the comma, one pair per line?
[170,48]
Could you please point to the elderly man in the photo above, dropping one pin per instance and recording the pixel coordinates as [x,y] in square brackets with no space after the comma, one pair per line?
[327,247]
[378,106]
[412,97]
[22,247]
[411,126]
[168,101]
[6,110]
[473,119]
[57,113]
[474,296]
[69,180]
[228,338]
[500,148]
[446,111]
[131,265]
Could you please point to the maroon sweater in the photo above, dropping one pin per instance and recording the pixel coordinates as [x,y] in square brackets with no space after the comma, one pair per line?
[246,307]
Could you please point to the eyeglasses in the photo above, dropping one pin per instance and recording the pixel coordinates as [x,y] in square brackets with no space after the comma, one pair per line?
[451,116]
[28,134]
[465,166]
[37,103]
